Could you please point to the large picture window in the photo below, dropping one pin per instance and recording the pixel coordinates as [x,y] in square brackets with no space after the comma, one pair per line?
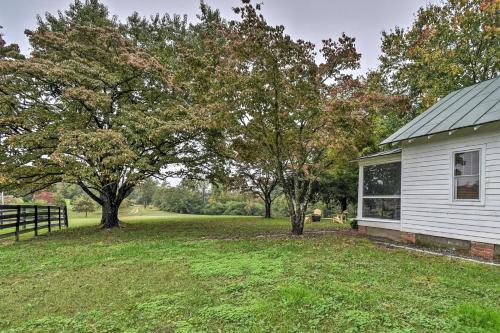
[382,191]
[467,177]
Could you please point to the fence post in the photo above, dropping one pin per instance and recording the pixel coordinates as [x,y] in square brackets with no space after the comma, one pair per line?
[66,216]
[18,220]
[59,216]
[23,212]
[48,218]
[36,220]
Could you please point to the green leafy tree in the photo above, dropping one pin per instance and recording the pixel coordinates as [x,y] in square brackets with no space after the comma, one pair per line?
[68,191]
[59,200]
[196,185]
[254,174]
[93,107]
[279,101]
[179,200]
[126,203]
[338,186]
[145,191]
[449,45]
[9,51]
[252,170]
[84,204]
[193,52]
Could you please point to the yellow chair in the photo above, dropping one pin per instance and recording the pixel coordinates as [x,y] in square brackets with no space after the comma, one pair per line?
[341,217]
[316,216]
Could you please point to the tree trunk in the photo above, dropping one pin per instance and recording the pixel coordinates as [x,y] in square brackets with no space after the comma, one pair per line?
[297,216]
[109,217]
[86,214]
[267,204]
[297,223]
[343,204]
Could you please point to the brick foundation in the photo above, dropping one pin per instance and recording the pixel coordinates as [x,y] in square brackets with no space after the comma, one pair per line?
[482,250]
[408,237]
[457,245]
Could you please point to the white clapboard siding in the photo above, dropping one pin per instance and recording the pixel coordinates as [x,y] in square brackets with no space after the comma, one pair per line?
[395,225]
[426,187]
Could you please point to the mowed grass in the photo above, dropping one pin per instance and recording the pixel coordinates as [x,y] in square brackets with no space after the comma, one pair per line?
[77,219]
[236,274]
[135,212]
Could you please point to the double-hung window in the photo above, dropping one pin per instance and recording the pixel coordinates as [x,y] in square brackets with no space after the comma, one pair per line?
[467,175]
[382,191]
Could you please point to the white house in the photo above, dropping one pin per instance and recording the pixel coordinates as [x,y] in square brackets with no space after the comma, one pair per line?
[442,186]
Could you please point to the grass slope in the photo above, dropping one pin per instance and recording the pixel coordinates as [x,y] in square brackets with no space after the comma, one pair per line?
[220,274]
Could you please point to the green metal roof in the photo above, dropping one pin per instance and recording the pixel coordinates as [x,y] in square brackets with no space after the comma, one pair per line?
[382,153]
[471,106]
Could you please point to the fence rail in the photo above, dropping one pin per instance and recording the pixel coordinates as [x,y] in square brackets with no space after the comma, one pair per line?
[20,219]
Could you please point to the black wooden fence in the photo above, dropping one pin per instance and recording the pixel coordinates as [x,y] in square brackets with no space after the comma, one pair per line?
[20,219]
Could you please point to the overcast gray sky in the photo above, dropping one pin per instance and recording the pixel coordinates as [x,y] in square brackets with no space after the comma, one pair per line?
[311,20]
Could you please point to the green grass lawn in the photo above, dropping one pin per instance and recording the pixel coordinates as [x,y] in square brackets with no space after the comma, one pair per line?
[235,274]
[79,219]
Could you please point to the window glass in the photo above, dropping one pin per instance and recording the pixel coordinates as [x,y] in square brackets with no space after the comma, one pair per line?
[382,208]
[467,164]
[467,177]
[382,179]
[467,187]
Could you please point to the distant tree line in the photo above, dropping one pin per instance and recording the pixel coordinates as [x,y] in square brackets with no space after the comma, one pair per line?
[200,197]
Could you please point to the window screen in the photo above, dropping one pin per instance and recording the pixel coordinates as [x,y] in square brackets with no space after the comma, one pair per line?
[382,191]
[467,175]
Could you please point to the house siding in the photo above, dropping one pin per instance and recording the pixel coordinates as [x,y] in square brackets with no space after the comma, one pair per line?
[426,186]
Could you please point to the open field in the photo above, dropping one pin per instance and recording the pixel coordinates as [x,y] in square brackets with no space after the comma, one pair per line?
[235,274]
[79,219]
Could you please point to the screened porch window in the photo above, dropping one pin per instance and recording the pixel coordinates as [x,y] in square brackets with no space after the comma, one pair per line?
[382,191]
[466,175]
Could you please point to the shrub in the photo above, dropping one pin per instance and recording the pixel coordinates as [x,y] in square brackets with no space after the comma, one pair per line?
[235,208]
[254,209]
[178,200]
[214,208]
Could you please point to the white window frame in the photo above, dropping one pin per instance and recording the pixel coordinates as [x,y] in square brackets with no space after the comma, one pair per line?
[482,184]
[361,195]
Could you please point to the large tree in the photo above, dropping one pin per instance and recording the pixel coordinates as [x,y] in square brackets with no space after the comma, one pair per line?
[254,172]
[7,52]
[194,52]
[93,107]
[279,99]
[449,45]
[338,185]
